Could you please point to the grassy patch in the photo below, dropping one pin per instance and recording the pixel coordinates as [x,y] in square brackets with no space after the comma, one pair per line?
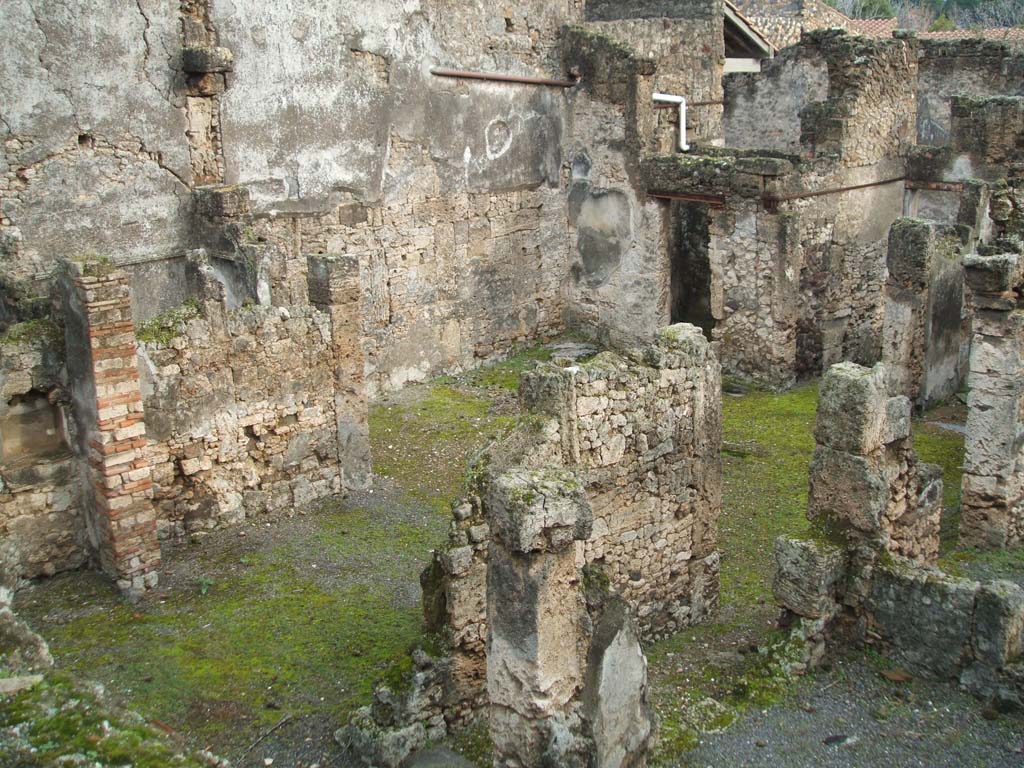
[945,448]
[427,443]
[700,682]
[984,566]
[267,639]
[506,374]
[164,327]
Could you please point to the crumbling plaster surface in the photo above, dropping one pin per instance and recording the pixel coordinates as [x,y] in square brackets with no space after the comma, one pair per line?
[328,140]
[94,156]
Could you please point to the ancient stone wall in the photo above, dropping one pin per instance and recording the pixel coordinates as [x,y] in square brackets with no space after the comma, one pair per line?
[922,335]
[867,576]
[762,110]
[992,503]
[643,434]
[42,515]
[566,675]
[972,67]
[258,408]
[619,271]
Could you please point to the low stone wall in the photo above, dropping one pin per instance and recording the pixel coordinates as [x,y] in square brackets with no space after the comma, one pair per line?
[642,432]
[867,577]
[42,508]
[256,409]
[992,502]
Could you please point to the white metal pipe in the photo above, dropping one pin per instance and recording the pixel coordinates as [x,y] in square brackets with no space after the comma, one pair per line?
[668,98]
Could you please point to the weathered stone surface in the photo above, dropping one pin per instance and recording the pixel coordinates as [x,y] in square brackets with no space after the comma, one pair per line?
[999,624]
[377,747]
[865,479]
[852,409]
[808,575]
[615,693]
[925,615]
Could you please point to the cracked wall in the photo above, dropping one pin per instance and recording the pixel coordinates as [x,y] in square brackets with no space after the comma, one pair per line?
[93,154]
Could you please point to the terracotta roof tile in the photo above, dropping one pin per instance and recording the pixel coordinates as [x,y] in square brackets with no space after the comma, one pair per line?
[874,27]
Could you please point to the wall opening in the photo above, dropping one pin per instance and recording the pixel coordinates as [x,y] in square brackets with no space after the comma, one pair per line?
[31,427]
[689,254]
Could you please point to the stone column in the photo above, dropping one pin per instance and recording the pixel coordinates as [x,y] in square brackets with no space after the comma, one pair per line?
[921,335]
[866,482]
[110,421]
[334,288]
[992,505]
[537,642]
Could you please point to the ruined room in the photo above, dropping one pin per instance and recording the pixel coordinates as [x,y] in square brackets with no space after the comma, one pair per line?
[595,383]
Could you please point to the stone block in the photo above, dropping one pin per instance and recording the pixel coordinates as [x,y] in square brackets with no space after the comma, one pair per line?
[531,511]
[202,59]
[992,274]
[999,623]
[807,574]
[848,490]
[615,692]
[852,409]
[222,201]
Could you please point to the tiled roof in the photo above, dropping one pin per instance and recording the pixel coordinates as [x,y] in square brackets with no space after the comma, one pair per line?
[1012,35]
[874,27]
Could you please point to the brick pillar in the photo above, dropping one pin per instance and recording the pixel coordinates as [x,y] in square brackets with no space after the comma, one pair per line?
[992,505]
[109,416]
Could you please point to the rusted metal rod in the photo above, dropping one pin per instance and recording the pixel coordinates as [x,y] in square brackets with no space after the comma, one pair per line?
[771,202]
[715,201]
[500,78]
[689,104]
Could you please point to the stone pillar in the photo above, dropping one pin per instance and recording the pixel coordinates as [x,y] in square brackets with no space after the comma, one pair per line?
[111,430]
[536,646]
[866,482]
[334,288]
[921,335]
[992,505]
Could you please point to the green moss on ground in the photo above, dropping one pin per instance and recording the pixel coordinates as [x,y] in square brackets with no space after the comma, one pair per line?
[164,327]
[768,447]
[985,566]
[60,718]
[426,443]
[505,375]
[944,447]
[308,625]
[266,640]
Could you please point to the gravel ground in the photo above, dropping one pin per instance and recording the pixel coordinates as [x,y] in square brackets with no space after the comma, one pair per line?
[852,716]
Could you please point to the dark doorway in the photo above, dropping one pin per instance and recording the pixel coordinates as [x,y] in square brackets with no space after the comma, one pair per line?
[690,264]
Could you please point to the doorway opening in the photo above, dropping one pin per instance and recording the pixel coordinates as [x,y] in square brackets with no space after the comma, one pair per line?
[690,266]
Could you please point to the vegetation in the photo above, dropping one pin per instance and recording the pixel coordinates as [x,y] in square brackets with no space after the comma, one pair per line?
[164,327]
[40,331]
[59,719]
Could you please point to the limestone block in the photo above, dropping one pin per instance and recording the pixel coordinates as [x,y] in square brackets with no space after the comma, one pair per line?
[848,490]
[806,575]
[992,274]
[533,511]
[999,623]
[615,695]
[852,409]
